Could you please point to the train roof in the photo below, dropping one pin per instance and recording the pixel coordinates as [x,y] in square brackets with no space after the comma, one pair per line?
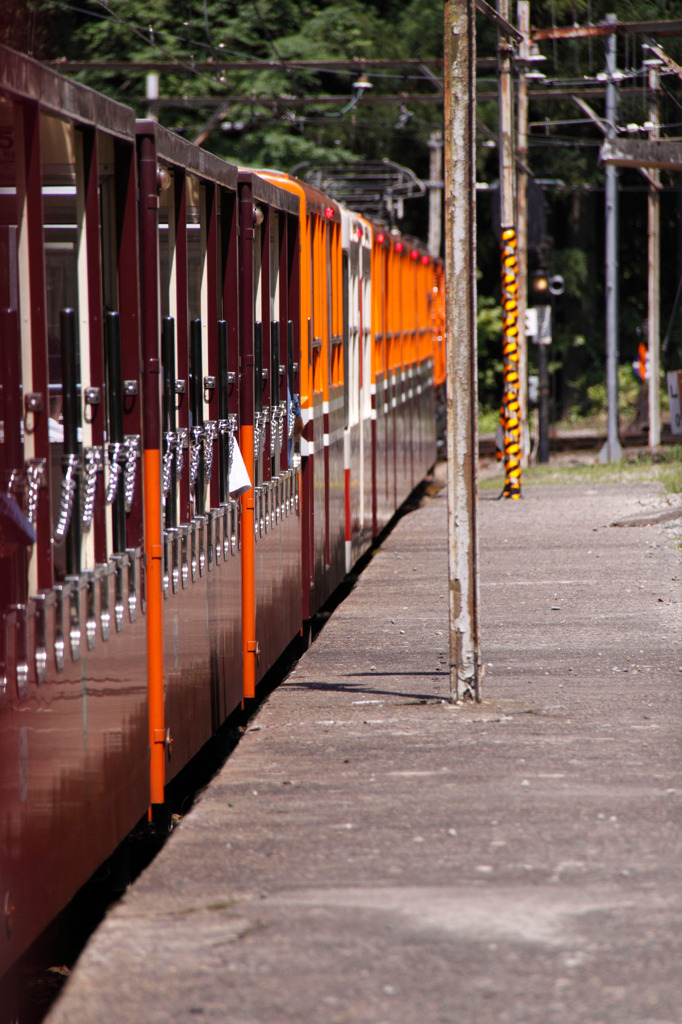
[26,78]
[176,150]
[269,192]
[316,201]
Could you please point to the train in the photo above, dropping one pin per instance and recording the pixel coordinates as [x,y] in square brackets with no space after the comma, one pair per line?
[217,386]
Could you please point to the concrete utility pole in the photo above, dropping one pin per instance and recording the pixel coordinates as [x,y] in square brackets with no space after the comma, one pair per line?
[460,313]
[523,21]
[612,450]
[435,192]
[654,276]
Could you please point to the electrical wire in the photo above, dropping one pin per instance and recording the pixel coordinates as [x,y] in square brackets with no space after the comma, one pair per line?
[113,17]
[141,34]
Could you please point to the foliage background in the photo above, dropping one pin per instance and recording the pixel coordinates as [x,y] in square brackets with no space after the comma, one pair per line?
[568,211]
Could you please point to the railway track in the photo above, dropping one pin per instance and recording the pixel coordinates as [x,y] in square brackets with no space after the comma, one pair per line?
[585,441]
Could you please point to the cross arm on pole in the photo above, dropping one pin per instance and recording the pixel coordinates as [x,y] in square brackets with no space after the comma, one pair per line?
[504,26]
[602,126]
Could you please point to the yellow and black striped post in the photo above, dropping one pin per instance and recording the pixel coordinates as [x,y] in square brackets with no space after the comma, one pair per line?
[510,411]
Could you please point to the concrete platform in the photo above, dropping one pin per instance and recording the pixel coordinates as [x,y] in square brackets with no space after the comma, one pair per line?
[372,854]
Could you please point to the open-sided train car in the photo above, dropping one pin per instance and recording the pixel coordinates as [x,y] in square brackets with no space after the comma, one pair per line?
[162,316]
[74,722]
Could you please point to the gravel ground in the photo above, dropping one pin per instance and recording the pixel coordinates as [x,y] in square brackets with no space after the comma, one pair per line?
[372,853]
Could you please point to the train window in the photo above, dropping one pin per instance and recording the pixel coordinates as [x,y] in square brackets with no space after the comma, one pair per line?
[172,246]
[346,289]
[196,247]
[10,383]
[196,369]
[318,277]
[198,350]
[166,202]
[274,265]
[12,561]
[167,307]
[259,422]
[366,333]
[334,328]
[112,371]
[107,222]
[61,223]
[258,266]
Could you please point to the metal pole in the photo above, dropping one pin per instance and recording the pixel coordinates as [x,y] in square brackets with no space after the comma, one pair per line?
[654,276]
[543,410]
[435,192]
[505,146]
[523,21]
[612,450]
[460,312]
[511,409]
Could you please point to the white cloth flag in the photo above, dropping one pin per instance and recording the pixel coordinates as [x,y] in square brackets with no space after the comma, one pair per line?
[239,478]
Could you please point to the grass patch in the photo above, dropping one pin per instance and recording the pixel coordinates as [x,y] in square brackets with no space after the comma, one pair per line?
[665,467]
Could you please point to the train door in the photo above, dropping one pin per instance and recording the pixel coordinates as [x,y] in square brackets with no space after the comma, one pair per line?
[335,477]
[193,247]
[353,436]
[365,354]
[269,341]
[379,384]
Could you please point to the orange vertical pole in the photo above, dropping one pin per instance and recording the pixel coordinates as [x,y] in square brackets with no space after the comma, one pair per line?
[151,460]
[152,530]
[246,436]
[250,645]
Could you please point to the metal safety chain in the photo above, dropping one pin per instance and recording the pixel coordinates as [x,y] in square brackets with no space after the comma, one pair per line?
[68,493]
[195,454]
[223,428]
[229,426]
[170,441]
[273,430]
[181,442]
[132,444]
[231,420]
[35,472]
[265,417]
[257,436]
[115,451]
[280,425]
[93,464]
[210,434]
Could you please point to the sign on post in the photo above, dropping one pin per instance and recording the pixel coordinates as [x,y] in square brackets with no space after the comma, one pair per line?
[544,325]
[674,389]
